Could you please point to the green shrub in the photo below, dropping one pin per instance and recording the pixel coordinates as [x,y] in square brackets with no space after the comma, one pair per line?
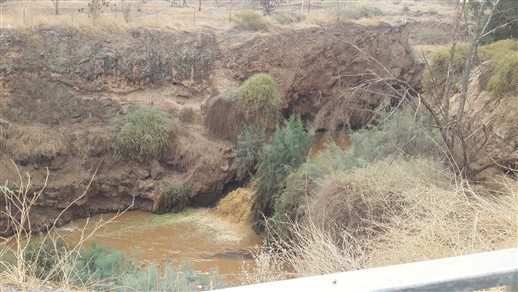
[261,98]
[250,20]
[402,133]
[345,10]
[249,146]
[288,149]
[46,258]
[140,134]
[178,193]
[101,267]
[301,185]
[288,18]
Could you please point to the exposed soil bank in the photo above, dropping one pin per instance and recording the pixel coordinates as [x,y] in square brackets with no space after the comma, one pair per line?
[60,88]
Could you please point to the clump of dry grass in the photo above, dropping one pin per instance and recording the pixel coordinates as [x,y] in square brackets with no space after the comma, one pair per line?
[364,201]
[34,141]
[391,212]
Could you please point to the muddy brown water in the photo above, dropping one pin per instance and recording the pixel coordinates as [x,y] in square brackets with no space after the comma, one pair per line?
[200,237]
[322,140]
[196,236]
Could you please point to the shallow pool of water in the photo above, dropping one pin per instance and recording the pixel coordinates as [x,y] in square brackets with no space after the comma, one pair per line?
[197,236]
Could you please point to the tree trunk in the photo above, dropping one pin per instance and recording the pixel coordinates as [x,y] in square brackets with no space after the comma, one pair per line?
[56,6]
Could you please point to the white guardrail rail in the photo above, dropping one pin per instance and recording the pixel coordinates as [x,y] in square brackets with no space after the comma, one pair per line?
[462,273]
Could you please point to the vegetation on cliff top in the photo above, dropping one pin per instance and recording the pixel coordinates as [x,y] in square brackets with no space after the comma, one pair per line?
[256,103]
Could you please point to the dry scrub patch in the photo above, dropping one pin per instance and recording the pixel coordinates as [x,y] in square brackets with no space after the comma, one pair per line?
[34,141]
[391,212]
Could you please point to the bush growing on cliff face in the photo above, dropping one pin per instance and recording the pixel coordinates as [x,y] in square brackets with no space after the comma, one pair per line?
[178,193]
[249,146]
[140,134]
[287,151]
[261,98]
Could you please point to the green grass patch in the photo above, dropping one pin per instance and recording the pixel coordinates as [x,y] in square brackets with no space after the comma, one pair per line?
[140,134]
[288,18]
[503,75]
[250,20]
[346,10]
[434,76]
[504,61]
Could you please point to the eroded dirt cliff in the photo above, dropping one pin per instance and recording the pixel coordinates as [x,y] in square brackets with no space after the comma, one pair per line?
[61,87]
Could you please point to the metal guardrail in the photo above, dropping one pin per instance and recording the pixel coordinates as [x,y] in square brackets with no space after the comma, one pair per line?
[462,273]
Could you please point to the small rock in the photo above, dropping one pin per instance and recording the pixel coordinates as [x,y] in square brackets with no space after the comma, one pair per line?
[57,162]
[145,186]
[141,173]
[23,160]
[156,170]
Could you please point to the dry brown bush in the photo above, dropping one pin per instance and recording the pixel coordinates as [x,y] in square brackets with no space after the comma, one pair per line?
[355,108]
[391,212]
[362,202]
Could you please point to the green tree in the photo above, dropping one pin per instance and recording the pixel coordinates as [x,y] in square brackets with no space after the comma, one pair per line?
[504,21]
[288,149]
